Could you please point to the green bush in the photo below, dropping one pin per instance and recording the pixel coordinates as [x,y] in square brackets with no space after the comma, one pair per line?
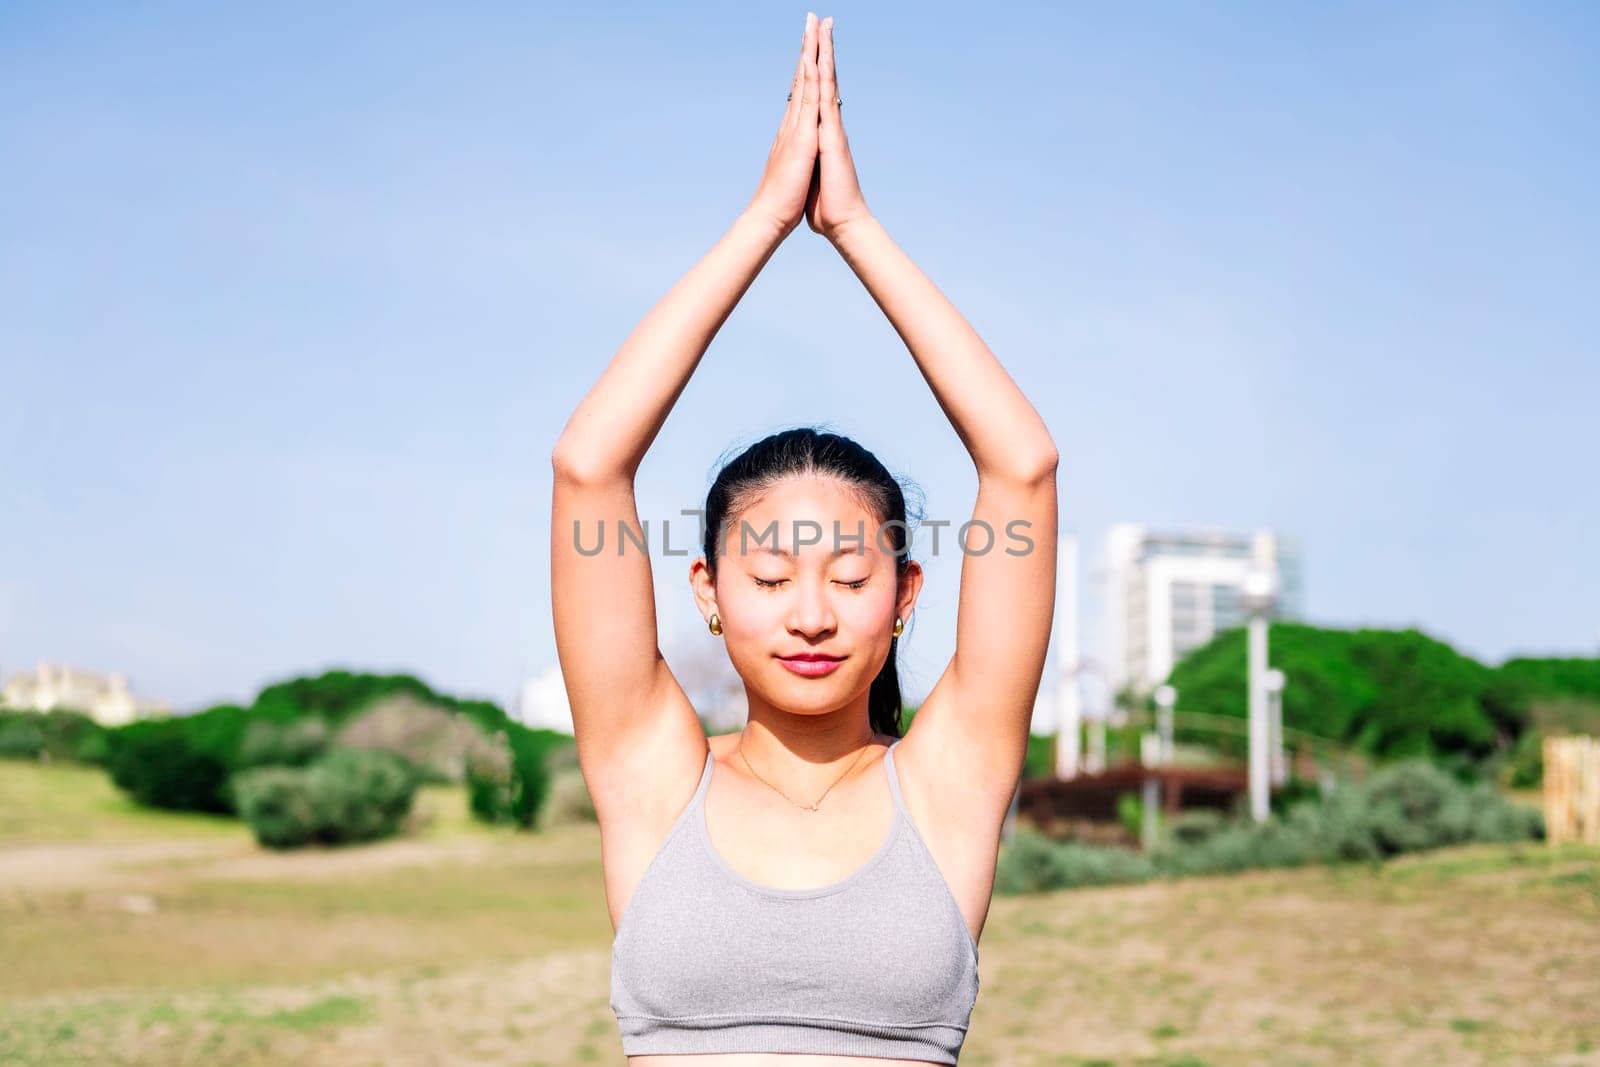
[278,804]
[1031,862]
[59,734]
[1405,807]
[282,744]
[1415,806]
[1392,694]
[1196,825]
[21,739]
[181,763]
[363,795]
[1574,678]
[1040,760]
[530,781]
[346,796]
[489,777]
[569,800]
[511,795]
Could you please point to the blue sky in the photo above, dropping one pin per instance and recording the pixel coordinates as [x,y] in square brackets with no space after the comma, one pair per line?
[294,304]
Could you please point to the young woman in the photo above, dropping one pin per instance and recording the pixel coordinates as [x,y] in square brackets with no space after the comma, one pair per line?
[816,883]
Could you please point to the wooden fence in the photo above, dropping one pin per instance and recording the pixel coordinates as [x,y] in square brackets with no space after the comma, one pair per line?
[1572,789]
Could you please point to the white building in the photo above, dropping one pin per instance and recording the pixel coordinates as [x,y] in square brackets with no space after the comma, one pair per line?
[542,703]
[1058,708]
[103,697]
[1170,591]
[718,695]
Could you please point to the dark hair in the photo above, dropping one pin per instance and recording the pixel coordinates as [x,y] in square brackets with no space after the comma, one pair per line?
[809,451]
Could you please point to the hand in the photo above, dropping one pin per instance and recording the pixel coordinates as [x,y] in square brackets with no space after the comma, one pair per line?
[835,199]
[792,162]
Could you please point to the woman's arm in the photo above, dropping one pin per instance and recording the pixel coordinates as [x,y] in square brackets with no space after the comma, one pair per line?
[1002,432]
[619,687]
[974,724]
[607,436]
[632,721]
[972,730]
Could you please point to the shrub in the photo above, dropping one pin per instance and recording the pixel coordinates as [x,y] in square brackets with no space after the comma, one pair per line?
[439,743]
[278,804]
[346,796]
[1241,847]
[182,762]
[1413,806]
[283,744]
[569,800]
[1196,825]
[21,739]
[1405,807]
[59,734]
[1032,862]
[1392,694]
[489,781]
[362,795]
[530,781]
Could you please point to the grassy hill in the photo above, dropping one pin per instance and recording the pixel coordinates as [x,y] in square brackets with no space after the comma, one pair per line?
[144,937]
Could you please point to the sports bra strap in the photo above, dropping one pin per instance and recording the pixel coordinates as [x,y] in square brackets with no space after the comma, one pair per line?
[705,780]
[894,779]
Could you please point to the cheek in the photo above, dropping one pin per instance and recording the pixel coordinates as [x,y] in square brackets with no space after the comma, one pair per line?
[867,613]
[751,612]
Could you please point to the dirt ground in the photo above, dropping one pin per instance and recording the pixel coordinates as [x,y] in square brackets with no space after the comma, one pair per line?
[466,946]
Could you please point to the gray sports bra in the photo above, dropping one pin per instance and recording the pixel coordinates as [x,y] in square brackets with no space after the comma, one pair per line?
[878,964]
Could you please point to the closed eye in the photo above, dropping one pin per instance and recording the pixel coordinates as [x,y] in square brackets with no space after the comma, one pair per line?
[765,584]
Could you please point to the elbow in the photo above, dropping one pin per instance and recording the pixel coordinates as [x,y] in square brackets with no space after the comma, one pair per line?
[1035,468]
[570,468]
[1044,466]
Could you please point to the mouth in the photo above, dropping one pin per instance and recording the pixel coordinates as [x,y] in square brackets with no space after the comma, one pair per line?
[811,664]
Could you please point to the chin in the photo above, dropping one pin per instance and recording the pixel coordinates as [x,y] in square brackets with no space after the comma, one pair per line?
[812,696]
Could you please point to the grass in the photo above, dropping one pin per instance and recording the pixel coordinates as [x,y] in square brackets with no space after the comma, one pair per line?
[70,803]
[142,938]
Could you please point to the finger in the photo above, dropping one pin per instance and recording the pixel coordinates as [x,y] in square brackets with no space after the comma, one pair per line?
[829,81]
[799,80]
[807,111]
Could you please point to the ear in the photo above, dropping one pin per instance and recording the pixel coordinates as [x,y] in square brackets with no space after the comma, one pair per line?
[910,587]
[705,591]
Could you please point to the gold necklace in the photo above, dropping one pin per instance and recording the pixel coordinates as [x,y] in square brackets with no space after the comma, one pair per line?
[781,793]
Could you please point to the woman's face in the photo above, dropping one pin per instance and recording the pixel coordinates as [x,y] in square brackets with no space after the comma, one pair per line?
[787,586]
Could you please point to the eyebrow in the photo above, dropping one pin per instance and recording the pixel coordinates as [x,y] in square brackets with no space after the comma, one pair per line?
[835,554]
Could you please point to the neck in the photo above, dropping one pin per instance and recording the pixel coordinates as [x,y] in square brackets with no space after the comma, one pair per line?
[777,737]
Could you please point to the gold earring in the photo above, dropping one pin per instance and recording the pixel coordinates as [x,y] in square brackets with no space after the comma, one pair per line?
[715,625]
[899,627]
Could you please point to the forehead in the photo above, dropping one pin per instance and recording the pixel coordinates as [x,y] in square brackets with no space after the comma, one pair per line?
[824,501]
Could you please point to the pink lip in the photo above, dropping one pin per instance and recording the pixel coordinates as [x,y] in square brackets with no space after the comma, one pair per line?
[810,667]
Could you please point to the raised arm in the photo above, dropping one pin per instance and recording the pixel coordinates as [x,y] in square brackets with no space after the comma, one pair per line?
[973,726]
[625,703]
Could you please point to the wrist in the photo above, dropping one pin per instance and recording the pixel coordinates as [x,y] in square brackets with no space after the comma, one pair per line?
[755,221]
[841,234]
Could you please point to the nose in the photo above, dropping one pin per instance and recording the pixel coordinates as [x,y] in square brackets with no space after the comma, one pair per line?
[810,613]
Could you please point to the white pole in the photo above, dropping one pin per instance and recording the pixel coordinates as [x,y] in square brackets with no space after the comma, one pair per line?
[1150,802]
[1166,700]
[1260,806]
[1069,697]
